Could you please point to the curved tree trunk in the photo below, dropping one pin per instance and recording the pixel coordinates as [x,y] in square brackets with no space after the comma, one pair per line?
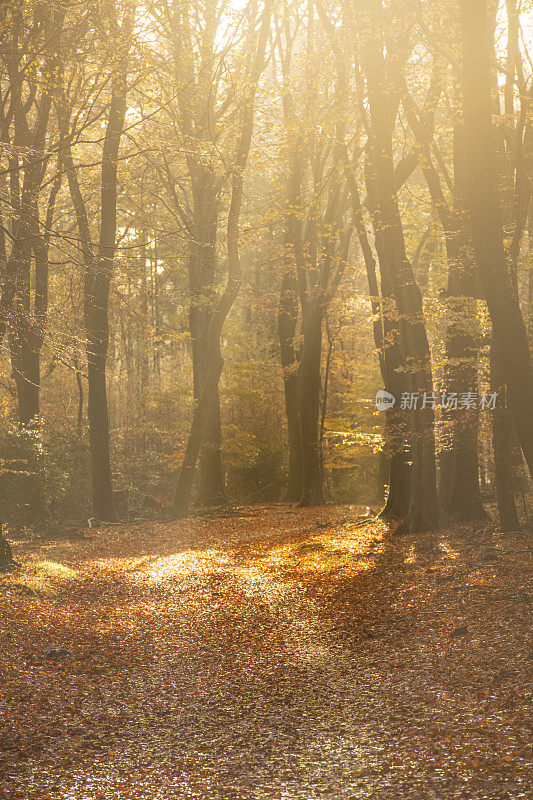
[213,363]
[386,340]
[396,271]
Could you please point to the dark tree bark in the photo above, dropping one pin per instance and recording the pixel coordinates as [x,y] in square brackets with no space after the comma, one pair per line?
[514,144]
[288,313]
[202,263]
[387,342]
[208,394]
[97,285]
[460,491]
[26,320]
[424,510]
[25,362]
[319,282]
[29,322]
[502,438]
[324,406]
[79,415]
[201,119]
[99,269]
[7,562]
[398,429]
[459,486]
[287,320]
[309,395]
[313,248]
[508,326]
[530,276]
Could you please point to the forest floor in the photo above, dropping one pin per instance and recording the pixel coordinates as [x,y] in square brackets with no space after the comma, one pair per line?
[268,653]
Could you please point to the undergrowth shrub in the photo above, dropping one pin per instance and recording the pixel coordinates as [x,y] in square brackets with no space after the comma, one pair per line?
[22,476]
[43,475]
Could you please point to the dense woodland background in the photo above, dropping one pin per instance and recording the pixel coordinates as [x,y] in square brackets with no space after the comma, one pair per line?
[225,226]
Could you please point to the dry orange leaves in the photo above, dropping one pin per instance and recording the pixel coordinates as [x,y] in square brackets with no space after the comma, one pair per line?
[269,652]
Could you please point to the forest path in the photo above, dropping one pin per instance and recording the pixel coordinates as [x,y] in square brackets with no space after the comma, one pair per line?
[270,653]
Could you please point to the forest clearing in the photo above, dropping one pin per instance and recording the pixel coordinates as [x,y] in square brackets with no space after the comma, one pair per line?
[270,652]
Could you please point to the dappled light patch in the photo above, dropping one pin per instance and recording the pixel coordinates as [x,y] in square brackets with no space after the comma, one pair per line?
[448,550]
[410,556]
[36,578]
[479,578]
[183,565]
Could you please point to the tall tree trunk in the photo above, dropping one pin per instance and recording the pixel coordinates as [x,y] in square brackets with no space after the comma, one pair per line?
[23,342]
[530,275]
[459,473]
[502,438]
[25,364]
[287,319]
[144,363]
[97,284]
[214,362]
[309,395]
[211,489]
[24,199]
[27,323]
[460,490]
[387,343]
[314,305]
[202,264]
[424,510]
[508,326]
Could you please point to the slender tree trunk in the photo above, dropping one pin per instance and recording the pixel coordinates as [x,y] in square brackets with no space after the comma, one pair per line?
[508,326]
[309,394]
[502,438]
[530,276]
[97,285]
[24,199]
[287,319]
[386,340]
[144,364]
[27,323]
[324,410]
[23,342]
[79,415]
